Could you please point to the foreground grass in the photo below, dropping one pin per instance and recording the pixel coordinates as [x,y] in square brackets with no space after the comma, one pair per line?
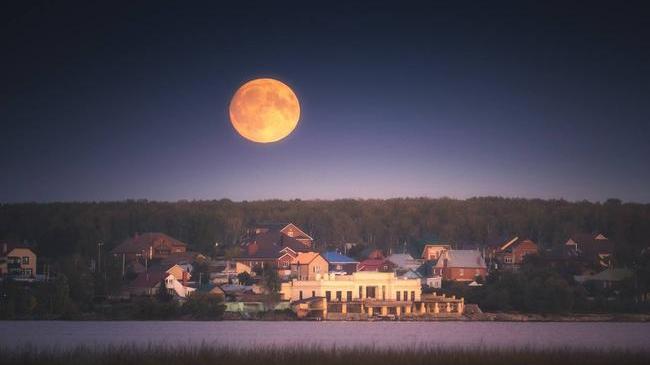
[316,356]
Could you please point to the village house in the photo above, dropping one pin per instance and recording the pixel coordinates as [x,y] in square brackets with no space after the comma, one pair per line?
[308,266]
[148,282]
[432,252]
[17,260]
[595,249]
[288,229]
[362,295]
[461,265]
[272,249]
[404,262]
[607,279]
[510,255]
[150,246]
[340,264]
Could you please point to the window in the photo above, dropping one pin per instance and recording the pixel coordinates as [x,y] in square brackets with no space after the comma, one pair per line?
[339,267]
[398,296]
[406,295]
[508,259]
[370,292]
[313,293]
[383,292]
[25,260]
[300,295]
[339,295]
[328,295]
[349,296]
[360,292]
[413,296]
[462,272]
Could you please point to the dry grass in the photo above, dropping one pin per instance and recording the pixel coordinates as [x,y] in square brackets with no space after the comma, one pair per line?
[201,355]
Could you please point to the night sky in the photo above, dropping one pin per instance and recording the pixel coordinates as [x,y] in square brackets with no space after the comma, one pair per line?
[543,99]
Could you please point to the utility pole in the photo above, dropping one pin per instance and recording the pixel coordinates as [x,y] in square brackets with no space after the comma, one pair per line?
[99,256]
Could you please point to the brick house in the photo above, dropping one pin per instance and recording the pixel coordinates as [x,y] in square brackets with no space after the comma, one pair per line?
[461,265]
[17,260]
[432,252]
[287,229]
[510,254]
[308,266]
[150,245]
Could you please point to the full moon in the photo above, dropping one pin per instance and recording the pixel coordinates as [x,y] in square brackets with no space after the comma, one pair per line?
[264,110]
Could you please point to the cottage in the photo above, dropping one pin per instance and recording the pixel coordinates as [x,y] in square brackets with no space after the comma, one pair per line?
[287,229]
[271,249]
[340,264]
[432,252]
[461,265]
[17,260]
[404,261]
[308,266]
[595,249]
[510,254]
[149,246]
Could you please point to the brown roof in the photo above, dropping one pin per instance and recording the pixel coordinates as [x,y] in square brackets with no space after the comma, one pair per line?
[269,245]
[304,258]
[148,279]
[13,245]
[142,242]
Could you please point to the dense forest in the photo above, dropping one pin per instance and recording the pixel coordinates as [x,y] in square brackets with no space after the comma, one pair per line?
[58,229]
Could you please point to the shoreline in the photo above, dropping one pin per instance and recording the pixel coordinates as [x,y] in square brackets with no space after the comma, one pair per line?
[481,317]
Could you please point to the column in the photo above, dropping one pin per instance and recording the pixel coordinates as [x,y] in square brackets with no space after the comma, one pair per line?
[398,311]
[436,309]
[407,309]
[448,309]
[324,308]
[422,308]
[384,311]
[344,308]
[369,311]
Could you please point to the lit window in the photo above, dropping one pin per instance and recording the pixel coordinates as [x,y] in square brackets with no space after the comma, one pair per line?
[25,260]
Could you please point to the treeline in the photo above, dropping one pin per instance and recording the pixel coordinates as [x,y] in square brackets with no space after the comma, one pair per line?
[60,229]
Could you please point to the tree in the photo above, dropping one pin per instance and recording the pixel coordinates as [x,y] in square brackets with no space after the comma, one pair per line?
[245,278]
[163,295]
[271,280]
[204,306]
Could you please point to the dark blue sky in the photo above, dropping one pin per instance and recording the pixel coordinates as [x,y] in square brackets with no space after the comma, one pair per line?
[543,99]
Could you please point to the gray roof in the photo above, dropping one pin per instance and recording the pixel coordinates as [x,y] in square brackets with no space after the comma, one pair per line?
[404,261]
[462,258]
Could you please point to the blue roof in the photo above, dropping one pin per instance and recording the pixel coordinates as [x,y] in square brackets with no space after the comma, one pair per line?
[334,257]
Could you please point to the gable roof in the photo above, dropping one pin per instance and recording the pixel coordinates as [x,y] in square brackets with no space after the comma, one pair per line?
[142,242]
[9,246]
[512,243]
[271,245]
[462,259]
[404,260]
[334,257]
[305,258]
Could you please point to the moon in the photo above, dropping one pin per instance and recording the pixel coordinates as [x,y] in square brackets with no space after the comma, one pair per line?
[264,110]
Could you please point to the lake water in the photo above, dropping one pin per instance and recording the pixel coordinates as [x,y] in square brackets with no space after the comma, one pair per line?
[47,334]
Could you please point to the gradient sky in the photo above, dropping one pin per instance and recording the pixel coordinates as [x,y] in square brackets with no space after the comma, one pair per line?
[543,99]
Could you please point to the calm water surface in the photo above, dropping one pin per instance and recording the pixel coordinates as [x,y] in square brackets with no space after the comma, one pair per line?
[56,334]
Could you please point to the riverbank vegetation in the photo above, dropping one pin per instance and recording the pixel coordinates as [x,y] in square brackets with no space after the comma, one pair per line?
[318,356]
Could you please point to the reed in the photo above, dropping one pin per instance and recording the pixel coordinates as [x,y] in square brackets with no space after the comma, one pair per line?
[204,355]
